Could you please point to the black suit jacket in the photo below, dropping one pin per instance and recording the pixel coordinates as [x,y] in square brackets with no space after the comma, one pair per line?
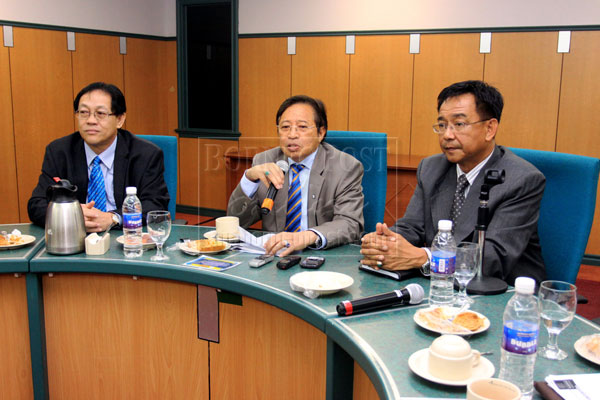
[137,163]
[512,245]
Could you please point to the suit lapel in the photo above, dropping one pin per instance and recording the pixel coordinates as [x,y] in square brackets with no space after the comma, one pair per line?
[315,183]
[441,199]
[80,171]
[120,163]
[281,198]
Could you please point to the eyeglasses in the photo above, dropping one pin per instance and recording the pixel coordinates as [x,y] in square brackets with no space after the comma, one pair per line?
[287,128]
[99,115]
[459,127]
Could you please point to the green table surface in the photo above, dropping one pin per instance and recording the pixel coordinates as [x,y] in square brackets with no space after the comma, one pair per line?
[381,342]
[17,260]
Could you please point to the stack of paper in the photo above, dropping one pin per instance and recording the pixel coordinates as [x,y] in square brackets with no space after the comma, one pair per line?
[250,243]
[575,387]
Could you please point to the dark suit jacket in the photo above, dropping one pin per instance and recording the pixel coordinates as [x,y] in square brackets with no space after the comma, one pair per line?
[137,163]
[335,198]
[512,246]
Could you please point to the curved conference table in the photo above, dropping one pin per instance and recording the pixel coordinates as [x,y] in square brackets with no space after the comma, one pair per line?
[106,327]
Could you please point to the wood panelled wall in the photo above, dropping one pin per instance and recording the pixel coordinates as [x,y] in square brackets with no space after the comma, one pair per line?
[39,78]
[550,97]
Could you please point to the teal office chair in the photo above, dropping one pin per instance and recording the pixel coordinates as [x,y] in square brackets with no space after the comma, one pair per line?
[567,208]
[370,148]
[168,145]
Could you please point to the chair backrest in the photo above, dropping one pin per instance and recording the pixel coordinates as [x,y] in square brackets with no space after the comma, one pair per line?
[567,208]
[168,145]
[370,148]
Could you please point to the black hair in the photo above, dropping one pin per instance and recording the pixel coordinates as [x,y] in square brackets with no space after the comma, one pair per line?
[118,106]
[488,100]
[320,114]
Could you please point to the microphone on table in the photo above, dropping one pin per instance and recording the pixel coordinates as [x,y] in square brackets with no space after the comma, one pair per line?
[411,294]
[267,204]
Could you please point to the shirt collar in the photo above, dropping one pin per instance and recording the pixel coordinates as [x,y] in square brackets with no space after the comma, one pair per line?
[472,174]
[107,156]
[308,161]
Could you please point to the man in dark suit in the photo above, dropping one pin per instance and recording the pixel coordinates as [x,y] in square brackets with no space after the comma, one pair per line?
[100,151]
[329,197]
[468,117]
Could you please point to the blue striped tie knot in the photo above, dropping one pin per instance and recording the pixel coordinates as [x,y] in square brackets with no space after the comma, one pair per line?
[96,189]
[294,205]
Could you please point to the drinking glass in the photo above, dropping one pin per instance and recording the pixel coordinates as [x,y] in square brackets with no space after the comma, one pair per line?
[557,303]
[467,257]
[159,228]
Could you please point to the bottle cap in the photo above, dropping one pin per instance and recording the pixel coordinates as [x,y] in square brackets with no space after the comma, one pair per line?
[131,190]
[444,225]
[524,285]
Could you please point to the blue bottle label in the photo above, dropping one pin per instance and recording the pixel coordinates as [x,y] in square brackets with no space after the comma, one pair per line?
[442,264]
[520,338]
[132,221]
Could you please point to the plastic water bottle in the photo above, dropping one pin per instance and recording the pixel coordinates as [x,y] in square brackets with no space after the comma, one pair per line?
[519,341]
[443,258]
[132,224]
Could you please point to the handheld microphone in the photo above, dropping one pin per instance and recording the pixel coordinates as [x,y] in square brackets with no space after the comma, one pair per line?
[267,204]
[411,294]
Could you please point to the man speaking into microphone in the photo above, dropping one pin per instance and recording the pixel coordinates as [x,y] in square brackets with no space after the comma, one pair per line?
[318,202]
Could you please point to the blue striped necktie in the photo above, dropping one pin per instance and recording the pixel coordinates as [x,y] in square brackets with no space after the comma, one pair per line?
[96,189]
[294,205]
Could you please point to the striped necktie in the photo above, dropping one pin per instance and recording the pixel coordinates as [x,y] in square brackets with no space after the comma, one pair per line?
[96,189]
[294,205]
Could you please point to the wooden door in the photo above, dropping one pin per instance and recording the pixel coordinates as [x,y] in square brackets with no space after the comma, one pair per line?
[9,212]
[42,90]
[381,74]
[444,59]
[265,71]
[320,68]
[526,69]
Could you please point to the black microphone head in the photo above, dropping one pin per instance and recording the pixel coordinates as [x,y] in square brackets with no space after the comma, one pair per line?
[283,165]
[416,293]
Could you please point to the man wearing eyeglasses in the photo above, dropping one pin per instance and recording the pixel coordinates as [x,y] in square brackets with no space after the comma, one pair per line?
[101,159]
[319,202]
[448,187]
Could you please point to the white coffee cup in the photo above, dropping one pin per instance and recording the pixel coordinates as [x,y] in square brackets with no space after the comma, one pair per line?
[451,358]
[228,227]
[492,389]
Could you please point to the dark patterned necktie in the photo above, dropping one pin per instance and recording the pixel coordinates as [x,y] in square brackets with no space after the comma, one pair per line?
[294,205]
[96,189]
[459,199]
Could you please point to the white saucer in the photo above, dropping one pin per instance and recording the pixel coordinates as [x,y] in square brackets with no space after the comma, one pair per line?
[419,364]
[146,245]
[451,311]
[581,349]
[320,282]
[213,235]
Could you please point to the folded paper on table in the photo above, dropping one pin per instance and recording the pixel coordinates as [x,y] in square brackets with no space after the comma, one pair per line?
[250,243]
[582,384]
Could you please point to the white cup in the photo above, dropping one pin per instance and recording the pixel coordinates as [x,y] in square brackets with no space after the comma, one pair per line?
[451,358]
[492,389]
[228,227]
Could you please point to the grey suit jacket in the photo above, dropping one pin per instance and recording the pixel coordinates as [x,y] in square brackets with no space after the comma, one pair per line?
[512,246]
[335,198]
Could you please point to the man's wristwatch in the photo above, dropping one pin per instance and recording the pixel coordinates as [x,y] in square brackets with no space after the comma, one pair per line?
[116,221]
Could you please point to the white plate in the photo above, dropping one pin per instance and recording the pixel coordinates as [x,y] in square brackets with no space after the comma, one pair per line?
[146,246]
[321,282]
[581,349]
[418,363]
[193,252]
[213,235]
[451,311]
[27,239]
